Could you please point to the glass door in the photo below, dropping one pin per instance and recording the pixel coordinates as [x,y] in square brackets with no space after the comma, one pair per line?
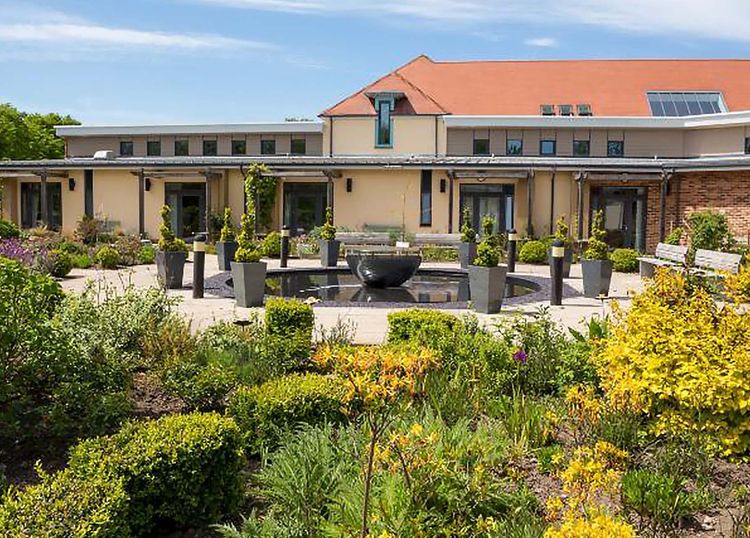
[188,203]
[31,205]
[495,201]
[304,206]
[624,212]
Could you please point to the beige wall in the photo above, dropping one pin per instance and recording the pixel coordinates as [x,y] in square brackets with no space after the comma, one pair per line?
[412,135]
[714,141]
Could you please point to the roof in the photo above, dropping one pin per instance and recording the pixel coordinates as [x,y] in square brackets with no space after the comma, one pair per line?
[222,128]
[515,88]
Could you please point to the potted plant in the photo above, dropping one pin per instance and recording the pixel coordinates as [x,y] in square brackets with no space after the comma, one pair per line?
[329,246]
[467,250]
[562,233]
[487,278]
[596,265]
[172,253]
[248,272]
[226,246]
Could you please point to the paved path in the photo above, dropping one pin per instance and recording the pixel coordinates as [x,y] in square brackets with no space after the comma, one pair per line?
[370,323]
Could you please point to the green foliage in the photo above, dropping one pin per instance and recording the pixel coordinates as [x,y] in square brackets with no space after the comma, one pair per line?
[562,232]
[270,247]
[107,257]
[675,236]
[60,262]
[168,242]
[533,252]
[266,410]
[436,253]
[146,254]
[525,421]
[260,186]
[247,251]
[227,229]
[625,260]
[183,470]
[468,234]
[9,229]
[597,249]
[328,231]
[709,230]
[487,254]
[488,226]
[128,247]
[419,325]
[88,230]
[26,136]
[287,317]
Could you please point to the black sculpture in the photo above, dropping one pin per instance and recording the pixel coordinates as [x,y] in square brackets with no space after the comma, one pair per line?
[383,268]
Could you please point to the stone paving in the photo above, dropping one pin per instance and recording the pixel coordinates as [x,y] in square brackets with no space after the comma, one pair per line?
[370,323]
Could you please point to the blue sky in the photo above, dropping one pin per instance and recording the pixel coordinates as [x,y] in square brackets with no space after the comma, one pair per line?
[181,61]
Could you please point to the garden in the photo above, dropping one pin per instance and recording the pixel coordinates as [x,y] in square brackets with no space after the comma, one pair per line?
[118,420]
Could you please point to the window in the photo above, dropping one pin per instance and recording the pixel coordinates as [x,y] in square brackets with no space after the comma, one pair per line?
[268,147]
[747,145]
[615,148]
[383,126]
[210,148]
[126,148]
[514,146]
[584,109]
[31,205]
[581,148]
[481,146]
[88,193]
[547,110]
[425,199]
[298,146]
[547,147]
[181,148]
[565,110]
[153,148]
[685,103]
[239,147]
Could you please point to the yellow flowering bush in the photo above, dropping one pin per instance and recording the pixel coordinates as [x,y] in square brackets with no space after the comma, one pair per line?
[737,286]
[684,361]
[598,526]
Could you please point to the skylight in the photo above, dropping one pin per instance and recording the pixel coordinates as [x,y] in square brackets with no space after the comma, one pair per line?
[685,103]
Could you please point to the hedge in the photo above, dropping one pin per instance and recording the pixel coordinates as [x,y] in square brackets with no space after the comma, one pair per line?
[418,323]
[625,260]
[533,252]
[286,317]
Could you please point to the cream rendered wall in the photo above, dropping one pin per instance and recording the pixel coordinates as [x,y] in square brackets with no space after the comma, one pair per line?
[714,141]
[10,201]
[116,198]
[661,143]
[73,202]
[356,136]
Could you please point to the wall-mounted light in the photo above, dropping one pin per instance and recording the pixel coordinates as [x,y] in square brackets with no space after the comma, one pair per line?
[71,183]
[348,184]
[147,183]
[442,185]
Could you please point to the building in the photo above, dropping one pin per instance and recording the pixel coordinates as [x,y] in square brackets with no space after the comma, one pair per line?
[647,141]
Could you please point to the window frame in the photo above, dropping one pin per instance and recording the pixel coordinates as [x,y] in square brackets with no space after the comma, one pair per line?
[265,141]
[215,150]
[124,144]
[554,147]
[425,199]
[391,105]
[508,142]
[747,145]
[178,143]
[588,148]
[474,146]
[298,140]
[149,143]
[622,149]
[240,141]
[88,192]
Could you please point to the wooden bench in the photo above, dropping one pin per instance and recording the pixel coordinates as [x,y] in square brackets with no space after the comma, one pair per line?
[713,263]
[384,238]
[665,256]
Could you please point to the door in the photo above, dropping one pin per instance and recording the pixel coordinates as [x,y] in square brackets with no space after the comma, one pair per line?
[188,203]
[624,213]
[304,206]
[495,201]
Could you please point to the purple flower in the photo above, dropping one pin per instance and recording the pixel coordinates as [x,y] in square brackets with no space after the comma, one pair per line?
[13,249]
[520,356]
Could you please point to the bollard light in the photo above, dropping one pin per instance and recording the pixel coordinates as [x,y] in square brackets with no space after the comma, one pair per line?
[556,272]
[199,265]
[512,246]
[284,253]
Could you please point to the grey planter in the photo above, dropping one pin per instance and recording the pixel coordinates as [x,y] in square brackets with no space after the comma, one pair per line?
[567,261]
[597,275]
[467,253]
[225,251]
[170,266]
[249,281]
[329,252]
[487,288]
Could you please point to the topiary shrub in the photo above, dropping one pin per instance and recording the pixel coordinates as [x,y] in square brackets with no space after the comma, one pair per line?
[289,317]
[168,242]
[9,229]
[328,230]
[60,263]
[468,234]
[181,470]
[625,260]
[270,247]
[533,252]
[227,234]
[597,249]
[107,257]
[418,324]
[263,412]
[247,249]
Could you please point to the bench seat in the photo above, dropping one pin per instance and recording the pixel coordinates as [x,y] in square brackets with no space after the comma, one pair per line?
[714,264]
[665,256]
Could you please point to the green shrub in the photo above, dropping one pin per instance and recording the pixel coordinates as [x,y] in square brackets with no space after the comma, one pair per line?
[107,257]
[625,260]
[263,412]
[533,252]
[419,325]
[202,385]
[128,248]
[433,253]
[146,254]
[487,254]
[270,247]
[71,248]
[468,234]
[328,230]
[598,248]
[81,261]
[247,249]
[709,230]
[674,237]
[88,230]
[287,317]
[227,228]
[168,242]
[181,470]
[9,229]
[66,505]
[60,262]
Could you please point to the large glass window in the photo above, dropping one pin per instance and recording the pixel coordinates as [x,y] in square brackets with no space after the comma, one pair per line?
[581,148]
[304,206]
[268,147]
[615,148]
[481,146]
[188,203]
[181,148]
[126,148]
[298,146]
[547,147]
[514,146]
[747,145]
[425,199]
[685,103]
[153,148]
[495,201]
[239,147]
[31,205]
[383,128]
[210,148]
[88,192]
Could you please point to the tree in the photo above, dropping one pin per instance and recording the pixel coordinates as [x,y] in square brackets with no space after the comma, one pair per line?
[30,136]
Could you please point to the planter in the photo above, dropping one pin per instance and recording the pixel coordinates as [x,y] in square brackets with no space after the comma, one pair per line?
[567,261]
[170,266]
[225,251]
[249,281]
[329,252]
[467,253]
[597,275]
[487,288]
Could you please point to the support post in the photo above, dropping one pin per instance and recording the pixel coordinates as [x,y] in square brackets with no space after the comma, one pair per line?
[529,203]
[552,203]
[208,202]
[556,270]
[329,192]
[451,177]
[580,177]
[663,204]
[44,201]
[141,204]
[199,265]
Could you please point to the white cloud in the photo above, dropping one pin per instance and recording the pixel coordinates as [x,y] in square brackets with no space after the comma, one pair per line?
[720,19]
[545,42]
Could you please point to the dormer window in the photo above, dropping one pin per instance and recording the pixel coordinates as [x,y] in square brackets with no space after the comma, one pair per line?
[565,110]
[584,109]
[384,122]
[547,110]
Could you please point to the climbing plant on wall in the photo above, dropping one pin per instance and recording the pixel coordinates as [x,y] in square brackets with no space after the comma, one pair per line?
[260,186]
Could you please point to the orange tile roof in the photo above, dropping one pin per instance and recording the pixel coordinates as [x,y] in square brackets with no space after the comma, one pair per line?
[509,88]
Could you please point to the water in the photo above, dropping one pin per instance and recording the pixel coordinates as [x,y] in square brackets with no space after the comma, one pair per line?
[343,287]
